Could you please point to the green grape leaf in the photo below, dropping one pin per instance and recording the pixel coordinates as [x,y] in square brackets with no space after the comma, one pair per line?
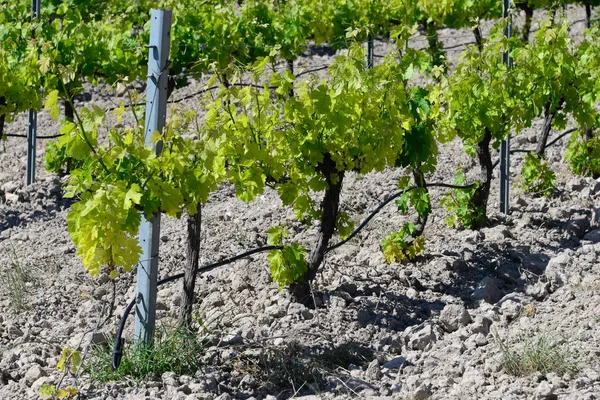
[276,235]
[52,104]
[288,265]
[133,196]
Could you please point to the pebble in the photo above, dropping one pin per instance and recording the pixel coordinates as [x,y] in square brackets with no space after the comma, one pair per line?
[481,325]
[544,391]
[557,269]
[169,379]
[592,375]
[15,331]
[422,392]
[10,186]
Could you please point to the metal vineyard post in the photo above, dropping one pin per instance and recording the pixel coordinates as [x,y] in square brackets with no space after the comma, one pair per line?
[156,113]
[32,117]
[505,145]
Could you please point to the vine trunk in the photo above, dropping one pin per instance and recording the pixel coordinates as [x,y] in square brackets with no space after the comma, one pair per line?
[191,267]
[528,19]
[478,38]
[290,67]
[301,291]
[70,117]
[435,48]
[486,168]
[419,178]
[548,116]
[2,117]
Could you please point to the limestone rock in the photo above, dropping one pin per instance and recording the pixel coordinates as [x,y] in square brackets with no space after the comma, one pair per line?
[422,339]
[487,291]
[593,236]
[481,325]
[557,269]
[539,291]
[373,371]
[34,373]
[453,316]
[544,391]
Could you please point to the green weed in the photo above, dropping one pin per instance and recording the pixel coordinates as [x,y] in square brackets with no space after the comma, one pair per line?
[541,354]
[173,350]
[14,279]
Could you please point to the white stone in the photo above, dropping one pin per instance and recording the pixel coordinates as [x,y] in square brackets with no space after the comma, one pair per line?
[422,339]
[373,371]
[544,391]
[34,373]
[454,316]
[556,270]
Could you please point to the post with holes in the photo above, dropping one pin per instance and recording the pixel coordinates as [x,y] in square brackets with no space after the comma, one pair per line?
[505,145]
[370,51]
[156,113]
[32,117]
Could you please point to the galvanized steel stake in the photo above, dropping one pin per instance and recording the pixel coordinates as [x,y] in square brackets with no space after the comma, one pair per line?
[370,52]
[505,145]
[156,113]
[32,117]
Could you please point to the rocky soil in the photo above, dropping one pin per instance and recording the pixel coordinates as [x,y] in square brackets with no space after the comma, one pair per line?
[437,328]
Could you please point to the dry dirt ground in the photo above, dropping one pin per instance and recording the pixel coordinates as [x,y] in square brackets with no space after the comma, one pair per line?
[435,328]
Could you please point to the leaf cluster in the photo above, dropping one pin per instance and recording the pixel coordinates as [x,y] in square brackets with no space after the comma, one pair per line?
[125,178]
[47,390]
[459,204]
[418,198]
[57,160]
[402,246]
[583,154]
[288,265]
[537,177]
[362,119]
[20,74]
[480,96]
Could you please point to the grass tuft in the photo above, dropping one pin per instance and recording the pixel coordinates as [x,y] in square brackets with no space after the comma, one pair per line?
[541,354]
[173,350]
[14,279]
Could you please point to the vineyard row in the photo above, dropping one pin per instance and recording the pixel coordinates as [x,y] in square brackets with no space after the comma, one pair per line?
[300,137]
